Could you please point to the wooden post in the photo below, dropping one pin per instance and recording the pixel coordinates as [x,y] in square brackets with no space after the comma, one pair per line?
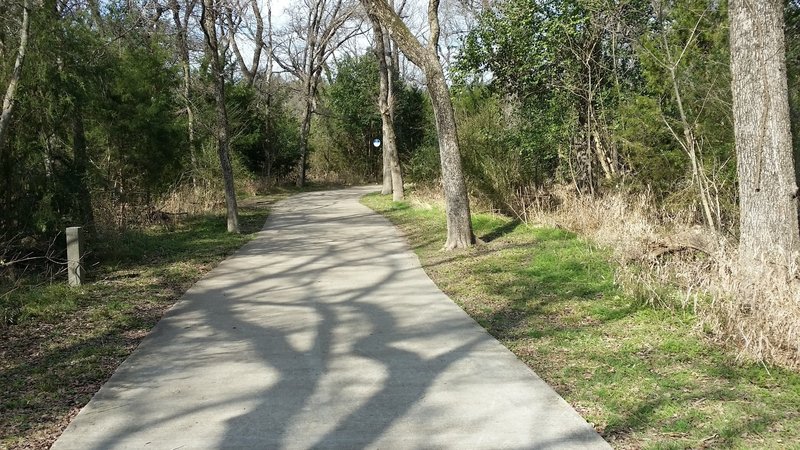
[74,253]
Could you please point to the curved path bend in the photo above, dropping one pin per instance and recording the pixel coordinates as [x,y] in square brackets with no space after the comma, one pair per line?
[324,332]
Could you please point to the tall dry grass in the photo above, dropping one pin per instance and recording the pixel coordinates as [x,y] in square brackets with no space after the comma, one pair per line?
[667,260]
[114,213]
[756,309]
[203,197]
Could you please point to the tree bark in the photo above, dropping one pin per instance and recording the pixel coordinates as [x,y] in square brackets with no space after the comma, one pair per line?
[269,147]
[383,105]
[309,106]
[392,175]
[305,130]
[769,232]
[386,187]
[310,72]
[16,74]
[459,226]
[183,51]
[209,24]
[583,169]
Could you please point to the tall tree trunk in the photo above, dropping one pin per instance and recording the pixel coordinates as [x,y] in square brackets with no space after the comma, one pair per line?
[398,191]
[269,146]
[309,86]
[767,182]
[183,51]
[326,29]
[16,74]
[209,23]
[392,176]
[305,131]
[459,226]
[387,127]
[251,73]
[581,150]
[592,135]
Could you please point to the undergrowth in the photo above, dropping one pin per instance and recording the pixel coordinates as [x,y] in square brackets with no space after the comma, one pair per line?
[671,262]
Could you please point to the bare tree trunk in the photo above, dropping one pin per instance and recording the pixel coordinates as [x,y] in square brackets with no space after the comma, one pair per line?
[398,190]
[767,182]
[383,48]
[269,147]
[16,74]
[236,12]
[597,141]
[583,169]
[459,225]
[592,136]
[305,130]
[310,97]
[690,146]
[326,29]
[386,165]
[209,25]
[687,141]
[392,175]
[258,39]
[183,51]
[309,84]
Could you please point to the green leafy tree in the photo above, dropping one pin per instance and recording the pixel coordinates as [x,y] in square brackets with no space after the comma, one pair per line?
[684,59]
[574,55]
[96,127]
[351,120]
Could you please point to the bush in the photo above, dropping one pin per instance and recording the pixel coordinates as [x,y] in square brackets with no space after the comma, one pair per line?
[502,153]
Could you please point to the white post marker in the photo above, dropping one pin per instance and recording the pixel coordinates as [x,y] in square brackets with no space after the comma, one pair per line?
[75,271]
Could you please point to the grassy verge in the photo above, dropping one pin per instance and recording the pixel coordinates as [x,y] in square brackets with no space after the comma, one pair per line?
[644,377]
[65,342]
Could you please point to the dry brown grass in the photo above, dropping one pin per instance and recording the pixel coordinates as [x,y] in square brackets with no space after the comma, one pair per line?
[756,309]
[192,200]
[201,198]
[618,221]
[114,212]
[668,261]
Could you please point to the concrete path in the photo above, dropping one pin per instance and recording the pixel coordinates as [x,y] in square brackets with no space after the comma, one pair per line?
[323,332]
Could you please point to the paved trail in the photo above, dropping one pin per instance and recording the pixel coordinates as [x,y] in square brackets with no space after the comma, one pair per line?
[323,332]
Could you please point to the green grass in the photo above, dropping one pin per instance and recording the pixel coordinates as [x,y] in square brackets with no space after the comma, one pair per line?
[644,377]
[63,343]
